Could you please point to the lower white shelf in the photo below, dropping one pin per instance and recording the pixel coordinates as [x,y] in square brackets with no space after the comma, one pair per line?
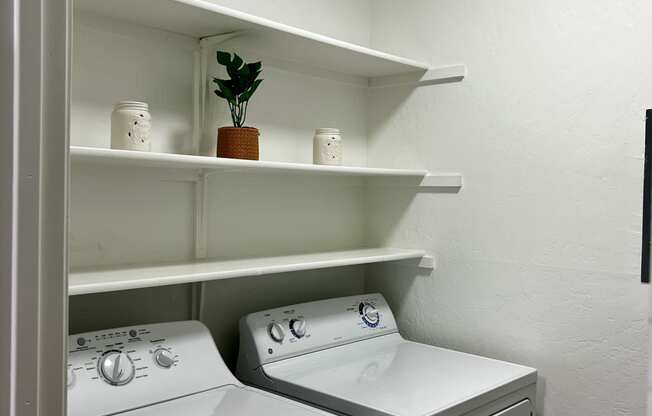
[133,277]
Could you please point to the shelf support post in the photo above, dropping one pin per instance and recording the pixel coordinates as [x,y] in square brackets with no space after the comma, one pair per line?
[201,222]
[196,101]
[200,214]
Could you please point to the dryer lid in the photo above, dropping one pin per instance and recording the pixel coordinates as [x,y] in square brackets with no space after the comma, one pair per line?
[388,375]
[228,401]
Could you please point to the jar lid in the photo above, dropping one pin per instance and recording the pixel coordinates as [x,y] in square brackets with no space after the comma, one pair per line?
[327,130]
[131,104]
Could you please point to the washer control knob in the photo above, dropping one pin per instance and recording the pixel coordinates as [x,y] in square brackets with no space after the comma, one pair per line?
[370,314]
[116,368]
[298,327]
[163,358]
[275,331]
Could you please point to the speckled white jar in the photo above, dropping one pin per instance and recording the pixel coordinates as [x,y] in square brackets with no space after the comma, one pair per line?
[130,126]
[327,147]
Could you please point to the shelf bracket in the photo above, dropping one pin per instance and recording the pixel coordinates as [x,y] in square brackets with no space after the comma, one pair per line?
[441,180]
[427,262]
[444,74]
[433,76]
[201,222]
[201,216]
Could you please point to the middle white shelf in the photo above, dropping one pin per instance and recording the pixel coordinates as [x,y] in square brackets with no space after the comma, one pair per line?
[168,160]
[133,277]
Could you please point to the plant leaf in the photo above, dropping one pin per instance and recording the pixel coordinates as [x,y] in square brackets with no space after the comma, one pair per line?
[226,90]
[223,58]
[255,67]
[240,82]
[255,86]
[244,78]
[253,71]
[237,62]
[245,96]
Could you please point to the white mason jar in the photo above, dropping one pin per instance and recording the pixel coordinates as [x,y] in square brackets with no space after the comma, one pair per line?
[327,147]
[130,126]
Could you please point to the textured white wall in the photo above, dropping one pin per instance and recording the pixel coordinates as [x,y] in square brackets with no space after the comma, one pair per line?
[540,250]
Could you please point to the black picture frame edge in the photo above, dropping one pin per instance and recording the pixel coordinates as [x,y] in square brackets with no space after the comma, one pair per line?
[647,194]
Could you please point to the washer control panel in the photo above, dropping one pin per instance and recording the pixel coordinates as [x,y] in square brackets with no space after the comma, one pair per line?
[124,368]
[280,333]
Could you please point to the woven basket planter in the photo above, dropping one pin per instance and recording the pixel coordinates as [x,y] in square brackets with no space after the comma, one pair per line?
[237,142]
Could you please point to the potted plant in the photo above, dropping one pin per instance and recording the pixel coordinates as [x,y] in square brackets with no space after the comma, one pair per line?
[239,141]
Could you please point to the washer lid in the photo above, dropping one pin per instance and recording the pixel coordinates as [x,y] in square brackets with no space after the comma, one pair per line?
[228,401]
[390,376]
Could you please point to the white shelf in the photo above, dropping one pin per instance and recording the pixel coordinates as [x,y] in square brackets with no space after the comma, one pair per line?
[199,18]
[134,277]
[97,155]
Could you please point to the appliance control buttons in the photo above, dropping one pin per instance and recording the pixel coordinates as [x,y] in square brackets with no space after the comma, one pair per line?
[369,313]
[133,333]
[275,331]
[163,358]
[116,368]
[81,341]
[298,327]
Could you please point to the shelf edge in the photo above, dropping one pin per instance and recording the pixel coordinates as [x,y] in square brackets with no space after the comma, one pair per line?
[82,289]
[112,156]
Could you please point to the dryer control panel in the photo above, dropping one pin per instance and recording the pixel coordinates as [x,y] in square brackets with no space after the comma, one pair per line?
[281,333]
[119,369]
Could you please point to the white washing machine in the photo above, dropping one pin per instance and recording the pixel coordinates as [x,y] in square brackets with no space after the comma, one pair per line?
[346,355]
[169,369]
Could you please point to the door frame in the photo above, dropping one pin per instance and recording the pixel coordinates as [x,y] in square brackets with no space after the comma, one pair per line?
[34,114]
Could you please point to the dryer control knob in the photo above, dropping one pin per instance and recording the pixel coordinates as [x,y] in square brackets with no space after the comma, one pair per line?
[298,327]
[116,368]
[163,358]
[370,314]
[275,331]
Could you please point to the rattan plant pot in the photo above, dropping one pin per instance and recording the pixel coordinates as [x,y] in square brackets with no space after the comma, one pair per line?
[237,142]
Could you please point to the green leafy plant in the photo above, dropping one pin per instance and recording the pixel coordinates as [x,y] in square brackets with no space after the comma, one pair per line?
[237,90]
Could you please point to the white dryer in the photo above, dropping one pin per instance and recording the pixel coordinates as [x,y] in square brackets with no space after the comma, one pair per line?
[169,369]
[346,355]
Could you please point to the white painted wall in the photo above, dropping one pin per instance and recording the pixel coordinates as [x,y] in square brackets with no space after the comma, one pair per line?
[539,252]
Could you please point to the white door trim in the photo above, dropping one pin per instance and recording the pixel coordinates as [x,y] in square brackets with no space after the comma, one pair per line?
[34,95]
[6,201]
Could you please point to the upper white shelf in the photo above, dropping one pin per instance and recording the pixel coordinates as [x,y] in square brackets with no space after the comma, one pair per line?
[168,160]
[134,277]
[199,18]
